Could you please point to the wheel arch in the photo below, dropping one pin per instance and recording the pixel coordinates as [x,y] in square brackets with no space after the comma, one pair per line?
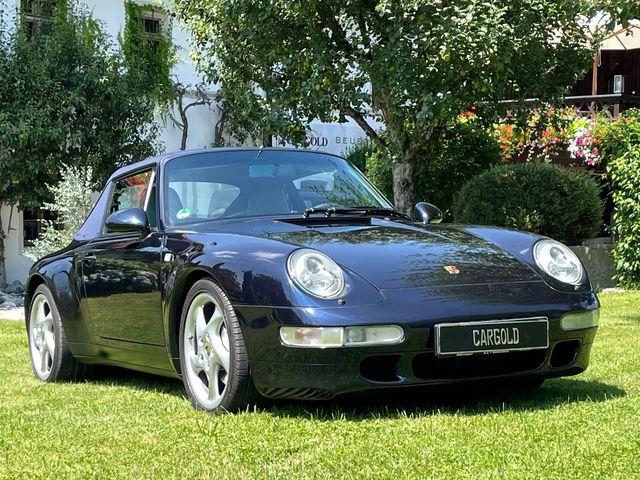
[180,290]
[33,282]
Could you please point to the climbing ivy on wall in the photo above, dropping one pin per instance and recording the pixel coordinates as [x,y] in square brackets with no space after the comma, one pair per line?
[149,56]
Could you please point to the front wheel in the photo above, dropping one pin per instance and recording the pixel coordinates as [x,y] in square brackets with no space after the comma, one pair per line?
[213,357]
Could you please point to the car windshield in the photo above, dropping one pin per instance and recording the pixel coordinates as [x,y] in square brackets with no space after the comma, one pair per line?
[249,183]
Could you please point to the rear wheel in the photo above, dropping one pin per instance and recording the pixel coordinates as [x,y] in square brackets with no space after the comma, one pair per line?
[51,358]
[213,357]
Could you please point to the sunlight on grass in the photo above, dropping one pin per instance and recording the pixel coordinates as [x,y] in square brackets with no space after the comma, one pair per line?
[127,425]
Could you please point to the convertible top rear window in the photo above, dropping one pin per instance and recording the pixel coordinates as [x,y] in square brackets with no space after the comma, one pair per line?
[219,185]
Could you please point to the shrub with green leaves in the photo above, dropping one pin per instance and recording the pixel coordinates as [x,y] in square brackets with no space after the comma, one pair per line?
[622,145]
[465,150]
[622,134]
[537,197]
[379,171]
[625,179]
[72,203]
[358,153]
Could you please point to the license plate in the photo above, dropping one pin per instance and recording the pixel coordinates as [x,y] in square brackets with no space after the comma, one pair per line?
[491,336]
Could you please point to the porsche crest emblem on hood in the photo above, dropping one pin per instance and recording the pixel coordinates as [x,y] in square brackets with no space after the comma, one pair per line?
[452,269]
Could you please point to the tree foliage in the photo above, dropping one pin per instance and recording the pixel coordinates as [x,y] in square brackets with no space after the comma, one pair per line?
[414,65]
[72,201]
[66,97]
[464,150]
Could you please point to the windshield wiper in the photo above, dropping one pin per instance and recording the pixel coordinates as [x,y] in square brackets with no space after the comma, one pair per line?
[361,209]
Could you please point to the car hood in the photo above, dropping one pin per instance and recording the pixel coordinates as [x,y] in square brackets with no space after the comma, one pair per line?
[394,254]
[399,257]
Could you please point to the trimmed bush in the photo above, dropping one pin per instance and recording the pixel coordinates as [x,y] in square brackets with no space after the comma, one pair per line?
[536,197]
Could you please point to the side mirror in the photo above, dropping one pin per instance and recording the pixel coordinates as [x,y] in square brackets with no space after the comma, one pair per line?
[128,220]
[427,213]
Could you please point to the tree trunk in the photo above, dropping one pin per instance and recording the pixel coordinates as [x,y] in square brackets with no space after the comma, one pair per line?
[404,194]
[218,132]
[185,128]
[3,269]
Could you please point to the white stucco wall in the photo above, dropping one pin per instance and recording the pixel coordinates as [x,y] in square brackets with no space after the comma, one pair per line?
[333,138]
[17,265]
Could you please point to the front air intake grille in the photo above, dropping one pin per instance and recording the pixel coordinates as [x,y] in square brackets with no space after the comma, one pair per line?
[298,393]
[430,367]
[564,353]
[380,368]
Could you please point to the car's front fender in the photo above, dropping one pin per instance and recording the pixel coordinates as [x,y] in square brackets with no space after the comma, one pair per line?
[520,244]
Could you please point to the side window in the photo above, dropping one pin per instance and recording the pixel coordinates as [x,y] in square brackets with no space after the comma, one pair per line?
[136,191]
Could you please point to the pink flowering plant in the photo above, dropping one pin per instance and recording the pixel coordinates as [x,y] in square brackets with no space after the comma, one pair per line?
[584,147]
[541,136]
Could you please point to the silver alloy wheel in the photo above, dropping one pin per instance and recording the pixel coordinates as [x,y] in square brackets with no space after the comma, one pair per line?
[206,347]
[42,342]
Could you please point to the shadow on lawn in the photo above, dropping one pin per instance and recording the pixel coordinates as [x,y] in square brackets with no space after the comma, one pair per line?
[459,400]
[122,377]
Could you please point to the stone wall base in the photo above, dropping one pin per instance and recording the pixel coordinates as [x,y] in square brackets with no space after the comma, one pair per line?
[598,261]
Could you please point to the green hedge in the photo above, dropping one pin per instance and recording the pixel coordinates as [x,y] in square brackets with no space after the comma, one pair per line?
[625,179]
[536,197]
[622,145]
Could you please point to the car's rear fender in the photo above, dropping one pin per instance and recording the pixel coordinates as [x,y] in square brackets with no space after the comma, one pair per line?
[59,273]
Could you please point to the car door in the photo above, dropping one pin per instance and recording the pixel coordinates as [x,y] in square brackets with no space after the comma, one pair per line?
[121,271]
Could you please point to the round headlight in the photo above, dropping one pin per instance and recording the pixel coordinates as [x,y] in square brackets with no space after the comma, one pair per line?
[558,261]
[316,273]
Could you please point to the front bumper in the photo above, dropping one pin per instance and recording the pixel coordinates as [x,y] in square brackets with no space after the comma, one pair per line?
[279,371]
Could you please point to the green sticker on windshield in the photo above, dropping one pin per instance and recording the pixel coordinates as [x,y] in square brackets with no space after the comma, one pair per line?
[183,213]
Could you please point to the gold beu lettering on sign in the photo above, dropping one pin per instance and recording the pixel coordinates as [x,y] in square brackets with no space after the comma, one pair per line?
[349,140]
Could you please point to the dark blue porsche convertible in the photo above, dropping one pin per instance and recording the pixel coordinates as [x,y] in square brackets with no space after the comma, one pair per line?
[286,274]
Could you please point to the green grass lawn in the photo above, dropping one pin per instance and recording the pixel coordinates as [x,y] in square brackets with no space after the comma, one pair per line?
[126,425]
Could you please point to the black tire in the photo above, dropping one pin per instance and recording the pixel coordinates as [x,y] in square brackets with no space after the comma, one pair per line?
[61,366]
[239,391]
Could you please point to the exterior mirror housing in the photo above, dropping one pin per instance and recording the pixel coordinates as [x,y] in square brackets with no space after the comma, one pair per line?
[128,220]
[425,213]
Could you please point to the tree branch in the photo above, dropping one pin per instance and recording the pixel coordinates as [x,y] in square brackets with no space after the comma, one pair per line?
[371,133]
[338,34]
[195,104]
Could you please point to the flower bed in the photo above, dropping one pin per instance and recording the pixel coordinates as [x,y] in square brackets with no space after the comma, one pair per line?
[555,136]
